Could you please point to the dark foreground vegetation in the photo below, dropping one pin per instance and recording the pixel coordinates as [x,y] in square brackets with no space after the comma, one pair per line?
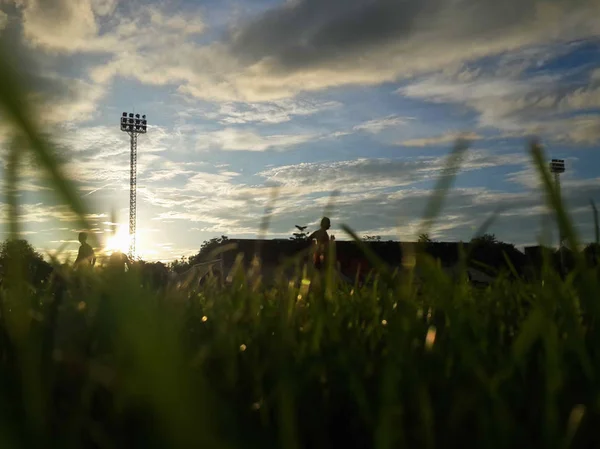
[103,359]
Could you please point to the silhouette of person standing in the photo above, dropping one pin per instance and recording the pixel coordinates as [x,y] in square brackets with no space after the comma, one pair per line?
[86,255]
[118,261]
[321,237]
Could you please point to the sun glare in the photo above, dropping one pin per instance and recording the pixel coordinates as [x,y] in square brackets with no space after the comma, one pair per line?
[119,241]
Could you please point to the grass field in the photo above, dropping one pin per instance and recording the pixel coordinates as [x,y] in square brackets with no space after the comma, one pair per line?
[107,362]
[100,360]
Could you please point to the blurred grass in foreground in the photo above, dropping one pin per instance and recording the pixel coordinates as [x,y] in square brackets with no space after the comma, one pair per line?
[101,360]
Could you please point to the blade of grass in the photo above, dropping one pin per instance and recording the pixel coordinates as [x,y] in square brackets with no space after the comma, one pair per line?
[373,259]
[436,201]
[483,228]
[588,287]
[14,269]
[150,341]
[13,100]
[329,208]
[596,224]
[331,267]
[553,196]
[16,312]
[487,224]
[12,170]
[511,266]
[266,219]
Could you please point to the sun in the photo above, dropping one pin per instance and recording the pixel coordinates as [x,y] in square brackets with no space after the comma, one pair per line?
[119,241]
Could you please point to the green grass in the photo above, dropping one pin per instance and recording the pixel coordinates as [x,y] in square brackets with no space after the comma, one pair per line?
[101,360]
[115,364]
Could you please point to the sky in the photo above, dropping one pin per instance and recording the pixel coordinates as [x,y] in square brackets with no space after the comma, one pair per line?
[306,107]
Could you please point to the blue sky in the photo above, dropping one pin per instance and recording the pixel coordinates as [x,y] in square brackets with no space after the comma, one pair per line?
[364,98]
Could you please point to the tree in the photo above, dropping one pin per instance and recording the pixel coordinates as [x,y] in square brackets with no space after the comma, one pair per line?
[485,239]
[18,248]
[489,255]
[180,265]
[13,252]
[301,235]
[207,247]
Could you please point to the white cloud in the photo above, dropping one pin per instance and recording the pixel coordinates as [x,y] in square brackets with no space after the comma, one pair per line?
[104,7]
[77,103]
[441,89]
[528,178]
[320,46]
[498,100]
[308,46]
[234,139]
[211,182]
[376,195]
[79,30]
[377,125]
[97,159]
[365,174]
[583,129]
[270,112]
[76,23]
[43,213]
[167,175]
[220,202]
[448,138]
[581,99]
[519,106]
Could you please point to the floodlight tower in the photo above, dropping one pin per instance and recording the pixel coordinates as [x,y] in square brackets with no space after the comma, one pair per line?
[133,126]
[557,167]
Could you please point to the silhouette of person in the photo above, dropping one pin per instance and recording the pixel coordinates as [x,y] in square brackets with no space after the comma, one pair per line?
[118,261]
[86,255]
[321,238]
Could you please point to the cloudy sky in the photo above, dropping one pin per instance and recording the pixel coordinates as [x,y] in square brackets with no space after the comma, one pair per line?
[360,97]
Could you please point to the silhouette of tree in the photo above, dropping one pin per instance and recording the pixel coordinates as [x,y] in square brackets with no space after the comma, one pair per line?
[180,265]
[184,264]
[209,245]
[36,269]
[489,254]
[206,248]
[18,248]
[485,239]
[301,235]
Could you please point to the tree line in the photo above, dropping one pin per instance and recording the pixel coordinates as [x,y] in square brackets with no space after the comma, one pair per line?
[486,249]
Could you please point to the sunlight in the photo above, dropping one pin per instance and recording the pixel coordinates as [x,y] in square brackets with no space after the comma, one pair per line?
[119,241]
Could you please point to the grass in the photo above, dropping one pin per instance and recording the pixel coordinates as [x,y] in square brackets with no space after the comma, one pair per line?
[102,360]
[111,363]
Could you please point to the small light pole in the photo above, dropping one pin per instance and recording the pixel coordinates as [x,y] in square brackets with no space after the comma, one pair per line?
[557,167]
[133,126]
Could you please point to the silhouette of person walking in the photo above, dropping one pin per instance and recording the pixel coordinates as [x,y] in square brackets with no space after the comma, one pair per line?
[321,237]
[86,255]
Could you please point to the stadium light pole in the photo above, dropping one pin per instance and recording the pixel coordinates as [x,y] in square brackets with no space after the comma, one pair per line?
[557,167]
[133,125]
